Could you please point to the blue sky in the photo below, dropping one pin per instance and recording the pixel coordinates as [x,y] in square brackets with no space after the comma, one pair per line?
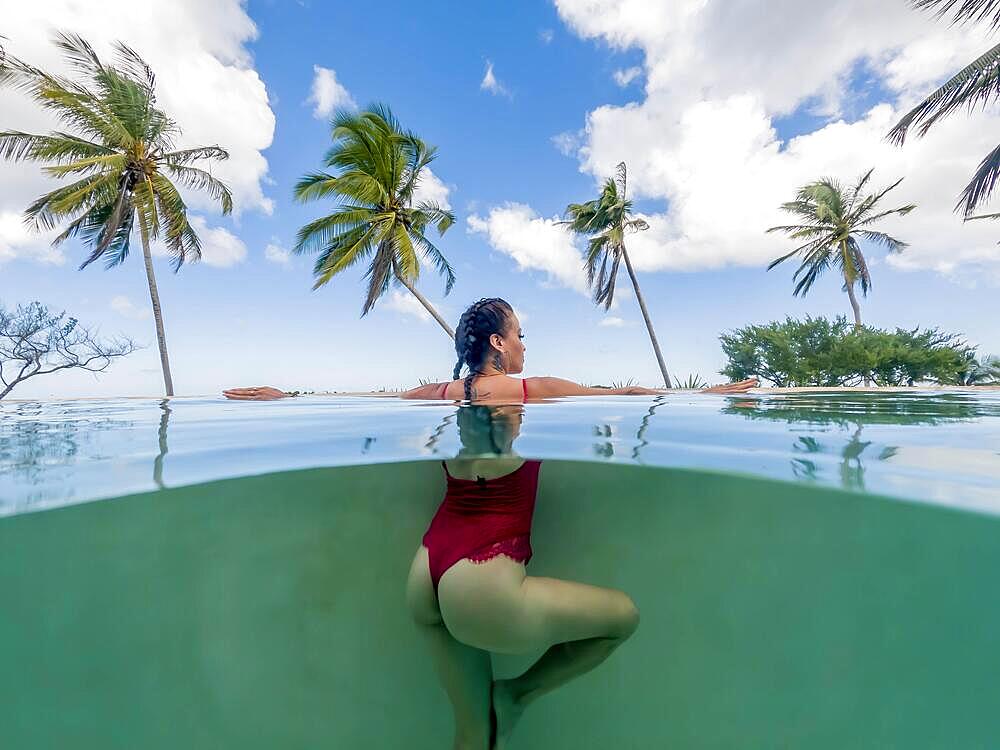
[255,321]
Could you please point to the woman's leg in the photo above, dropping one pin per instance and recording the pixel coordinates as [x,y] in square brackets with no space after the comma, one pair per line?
[568,659]
[465,672]
[505,611]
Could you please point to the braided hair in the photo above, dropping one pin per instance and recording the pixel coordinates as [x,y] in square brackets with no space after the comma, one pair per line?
[472,337]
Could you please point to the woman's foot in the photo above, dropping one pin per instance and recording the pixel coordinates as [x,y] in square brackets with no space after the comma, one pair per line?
[508,712]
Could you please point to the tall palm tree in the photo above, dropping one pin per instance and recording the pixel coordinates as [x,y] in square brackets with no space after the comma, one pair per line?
[835,221]
[379,167]
[122,159]
[975,84]
[606,220]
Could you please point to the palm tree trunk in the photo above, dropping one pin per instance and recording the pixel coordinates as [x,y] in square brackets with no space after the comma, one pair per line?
[645,316]
[154,297]
[854,304]
[428,306]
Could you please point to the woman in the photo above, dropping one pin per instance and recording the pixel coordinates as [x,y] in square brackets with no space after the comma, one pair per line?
[467,588]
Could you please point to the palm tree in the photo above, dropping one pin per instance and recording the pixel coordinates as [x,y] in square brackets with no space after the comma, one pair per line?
[122,159]
[379,167]
[975,84]
[835,221]
[605,221]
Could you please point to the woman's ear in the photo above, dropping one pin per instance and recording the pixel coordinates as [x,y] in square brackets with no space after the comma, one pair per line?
[497,341]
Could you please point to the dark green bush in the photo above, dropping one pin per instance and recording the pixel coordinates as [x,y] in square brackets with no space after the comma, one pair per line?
[820,352]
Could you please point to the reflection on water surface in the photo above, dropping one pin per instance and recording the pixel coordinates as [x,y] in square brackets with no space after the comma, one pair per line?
[937,447]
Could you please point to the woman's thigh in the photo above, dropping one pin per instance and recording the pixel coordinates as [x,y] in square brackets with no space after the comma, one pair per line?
[494,606]
[420,597]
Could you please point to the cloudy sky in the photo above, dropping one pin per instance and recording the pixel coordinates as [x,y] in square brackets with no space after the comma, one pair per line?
[721,108]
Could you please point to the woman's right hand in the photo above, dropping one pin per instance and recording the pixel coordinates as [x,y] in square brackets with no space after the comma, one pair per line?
[638,390]
[260,393]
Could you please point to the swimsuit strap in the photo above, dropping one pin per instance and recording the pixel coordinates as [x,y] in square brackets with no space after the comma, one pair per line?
[524,387]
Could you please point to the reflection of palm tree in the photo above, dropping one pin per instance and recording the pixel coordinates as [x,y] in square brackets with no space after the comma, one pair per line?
[607,448]
[161,434]
[854,412]
[640,435]
[852,471]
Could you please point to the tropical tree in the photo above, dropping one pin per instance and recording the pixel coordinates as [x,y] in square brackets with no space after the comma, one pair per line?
[606,220]
[378,167]
[976,84]
[835,220]
[979,370]
[119,153]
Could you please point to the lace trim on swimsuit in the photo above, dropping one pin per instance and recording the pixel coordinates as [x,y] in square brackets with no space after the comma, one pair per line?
[517,548]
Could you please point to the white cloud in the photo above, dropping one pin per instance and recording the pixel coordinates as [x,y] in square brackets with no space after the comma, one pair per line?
[205,80]
[624,76]
[219,247]
[492,84]
[569,142]
[17,241]
[328,93]
[407,304]
[546,35]
[123,306]
[704,137]
[431,188]
[533,242]
[275,253]
[611,322]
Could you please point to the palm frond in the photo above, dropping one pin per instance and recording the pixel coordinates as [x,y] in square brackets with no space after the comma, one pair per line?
[188,155]
[439,261]
[198,179]
[976,83]
[881,238]
[179,236]
[58,147]
[328,229]
[429,212]
[980,187]
[964,10]
[347,250]
[379,274]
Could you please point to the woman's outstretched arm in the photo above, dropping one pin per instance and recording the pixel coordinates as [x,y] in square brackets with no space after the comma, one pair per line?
[537,388]
[258,393]
[556,387]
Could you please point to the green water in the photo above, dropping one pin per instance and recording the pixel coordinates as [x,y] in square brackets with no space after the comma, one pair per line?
[268,612]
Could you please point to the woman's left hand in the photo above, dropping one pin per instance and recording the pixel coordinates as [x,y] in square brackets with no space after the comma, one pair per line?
[260,393]
[741,387]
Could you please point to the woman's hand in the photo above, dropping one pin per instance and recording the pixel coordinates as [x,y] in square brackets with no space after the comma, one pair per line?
[741,387]
[638,390]
[260,393]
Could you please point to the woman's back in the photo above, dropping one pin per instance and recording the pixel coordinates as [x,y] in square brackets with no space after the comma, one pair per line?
[490,387]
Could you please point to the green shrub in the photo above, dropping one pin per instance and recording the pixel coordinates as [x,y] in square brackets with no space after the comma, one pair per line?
[821,352]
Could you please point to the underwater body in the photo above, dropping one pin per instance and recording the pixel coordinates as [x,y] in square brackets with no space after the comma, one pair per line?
[812,569]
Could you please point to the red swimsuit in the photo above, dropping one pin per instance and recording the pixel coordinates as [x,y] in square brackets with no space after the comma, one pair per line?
[480,519]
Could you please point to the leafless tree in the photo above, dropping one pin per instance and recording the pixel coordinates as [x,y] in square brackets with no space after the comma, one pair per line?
[35,341]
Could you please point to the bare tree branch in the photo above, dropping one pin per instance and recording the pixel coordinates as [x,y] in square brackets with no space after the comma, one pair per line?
[35,341]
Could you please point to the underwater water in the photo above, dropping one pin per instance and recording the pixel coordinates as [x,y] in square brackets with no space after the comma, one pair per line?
[812,570]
